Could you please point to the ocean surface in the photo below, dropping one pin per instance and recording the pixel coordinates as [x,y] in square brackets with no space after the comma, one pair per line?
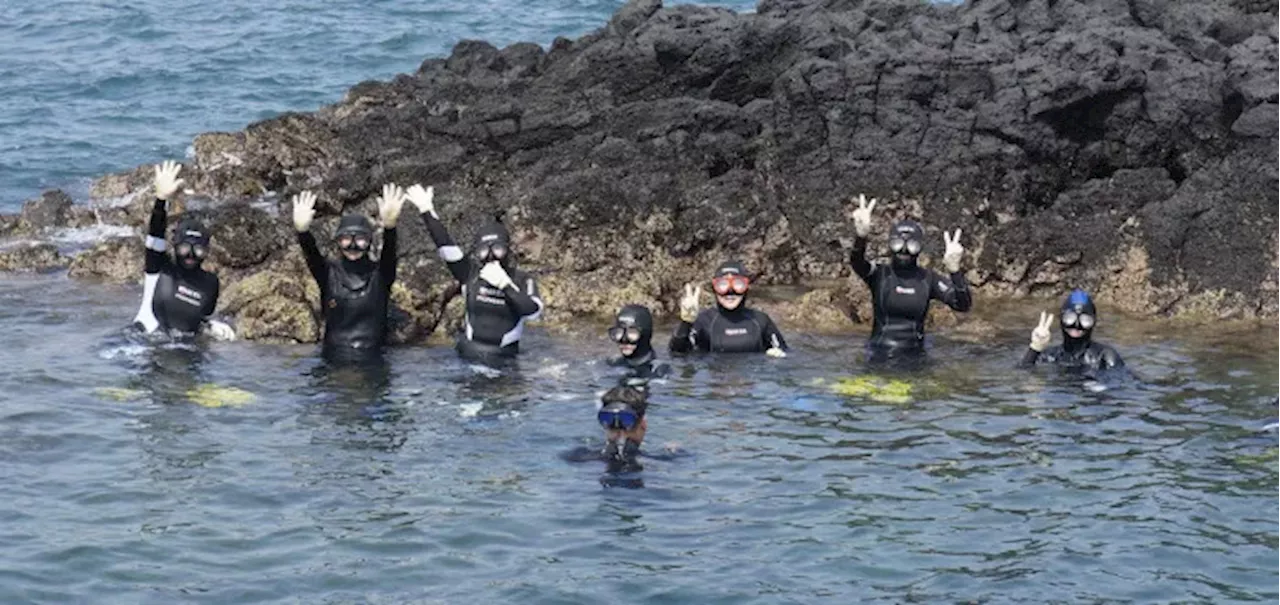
[254,473]
[251,473]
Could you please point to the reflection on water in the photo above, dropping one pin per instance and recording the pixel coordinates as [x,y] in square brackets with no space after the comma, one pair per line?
[422,478]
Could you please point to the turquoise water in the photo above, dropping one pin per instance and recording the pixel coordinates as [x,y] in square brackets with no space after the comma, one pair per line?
[92,87]
[429,481]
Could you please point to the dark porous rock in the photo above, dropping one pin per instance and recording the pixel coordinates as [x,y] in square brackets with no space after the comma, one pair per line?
[1124,146]
[51,210]
[32,257]
[117,260]
[242,236]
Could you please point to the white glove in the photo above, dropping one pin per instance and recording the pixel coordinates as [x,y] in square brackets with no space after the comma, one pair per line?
[423,199]
[167,181]
[953,253]
[776,353]
[497,277]
[304,211]
[862,216]
[1040,336]
[689,305]
[219,330]
[390,204]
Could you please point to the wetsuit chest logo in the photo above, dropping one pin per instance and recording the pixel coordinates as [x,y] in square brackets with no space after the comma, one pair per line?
[735,331]
[492,296]
[901,290]
[189,296]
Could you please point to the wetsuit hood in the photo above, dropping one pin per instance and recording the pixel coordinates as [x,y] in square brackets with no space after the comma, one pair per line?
[190,231]
[907,230]
[640,317]
[1081,303]
[733,267]
[494,233]
[354,224]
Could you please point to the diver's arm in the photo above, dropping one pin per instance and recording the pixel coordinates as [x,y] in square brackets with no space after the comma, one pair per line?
[524,301]
[1111,358]
[953,291]
[217,329]
[690,336]
[858,260]
[449,251]
[156,257]
[211,300]
[771,335]
[156,260]
[1029,358]
[315,261]
[387,262]
[680,338]
[304,212]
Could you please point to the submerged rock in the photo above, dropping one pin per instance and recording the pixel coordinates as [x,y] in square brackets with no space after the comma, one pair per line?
[1124,147]
[32,257]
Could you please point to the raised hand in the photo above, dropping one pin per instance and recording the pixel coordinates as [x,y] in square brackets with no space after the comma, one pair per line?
[422,199]
[1040,336]
[389,205]
[304,211]
[689,303]
[167,181]
[953,253]
[862,216]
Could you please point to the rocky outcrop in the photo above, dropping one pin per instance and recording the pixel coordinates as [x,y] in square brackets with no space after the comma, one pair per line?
[1126,146]
[32,257]
[117,260]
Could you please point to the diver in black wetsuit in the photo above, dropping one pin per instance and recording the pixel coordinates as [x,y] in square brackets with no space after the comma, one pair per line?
[355,290]
[901,290]
[1078,350]
[178,295]
[632,330]
[499,297]
[730,327]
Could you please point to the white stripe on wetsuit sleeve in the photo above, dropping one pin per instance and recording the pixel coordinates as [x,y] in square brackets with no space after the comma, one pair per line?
[537,299]
[450,254]
[156,243]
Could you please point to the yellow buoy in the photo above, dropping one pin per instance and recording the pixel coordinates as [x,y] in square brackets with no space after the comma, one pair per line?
[214,396]
[874,388]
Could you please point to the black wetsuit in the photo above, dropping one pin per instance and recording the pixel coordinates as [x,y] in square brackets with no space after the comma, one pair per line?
[641,368]
[1082,354]
[495,317]
[175,299]
[354,295]
[741,330]
[900,299]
